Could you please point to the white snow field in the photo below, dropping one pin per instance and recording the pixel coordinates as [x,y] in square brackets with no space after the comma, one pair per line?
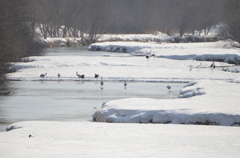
[105,140]
[211,97]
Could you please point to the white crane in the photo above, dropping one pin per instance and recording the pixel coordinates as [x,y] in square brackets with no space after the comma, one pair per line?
[199,66]
[80,76]
[169,87]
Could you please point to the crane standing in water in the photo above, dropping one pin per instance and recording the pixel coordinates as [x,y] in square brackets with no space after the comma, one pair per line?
[80,76]
[125,84]
[101,83]
[43,75]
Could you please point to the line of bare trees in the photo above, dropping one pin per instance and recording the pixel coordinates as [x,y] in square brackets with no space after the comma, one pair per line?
[81,18]
[69,18]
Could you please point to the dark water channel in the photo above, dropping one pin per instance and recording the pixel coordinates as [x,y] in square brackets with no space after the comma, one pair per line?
[71,100]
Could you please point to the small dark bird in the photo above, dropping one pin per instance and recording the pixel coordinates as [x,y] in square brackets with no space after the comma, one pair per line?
[59,75]
[43,75]
[96,75]
[30,136]
[147,56]
[125,83]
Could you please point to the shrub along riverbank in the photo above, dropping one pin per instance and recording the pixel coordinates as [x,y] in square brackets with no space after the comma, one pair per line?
[16,38]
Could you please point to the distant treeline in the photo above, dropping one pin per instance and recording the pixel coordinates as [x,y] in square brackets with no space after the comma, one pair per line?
[76,18]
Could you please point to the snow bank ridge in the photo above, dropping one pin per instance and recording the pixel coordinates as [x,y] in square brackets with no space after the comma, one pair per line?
[228,58]
[167,116]
[129,47]
[196,111]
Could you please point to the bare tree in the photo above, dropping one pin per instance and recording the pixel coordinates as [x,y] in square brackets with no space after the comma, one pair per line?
[96,10]
[232,18]
[16,37]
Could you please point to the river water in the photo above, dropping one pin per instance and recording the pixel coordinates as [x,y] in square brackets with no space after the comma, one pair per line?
[72,100]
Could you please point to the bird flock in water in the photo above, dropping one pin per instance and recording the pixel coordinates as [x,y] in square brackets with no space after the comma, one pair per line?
[96,76]
[213,66]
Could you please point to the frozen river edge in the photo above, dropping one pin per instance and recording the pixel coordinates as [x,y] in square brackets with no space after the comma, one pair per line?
[203,102]
[211,98]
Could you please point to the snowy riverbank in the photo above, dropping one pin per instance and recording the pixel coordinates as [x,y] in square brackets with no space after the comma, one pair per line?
[218,51]
[201,102]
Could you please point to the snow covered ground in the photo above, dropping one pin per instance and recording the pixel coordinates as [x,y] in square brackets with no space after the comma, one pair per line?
[102,140]
[157,37]
[219,51]
[210,98]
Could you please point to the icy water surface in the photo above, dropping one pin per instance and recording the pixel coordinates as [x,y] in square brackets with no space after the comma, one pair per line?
[72,100]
